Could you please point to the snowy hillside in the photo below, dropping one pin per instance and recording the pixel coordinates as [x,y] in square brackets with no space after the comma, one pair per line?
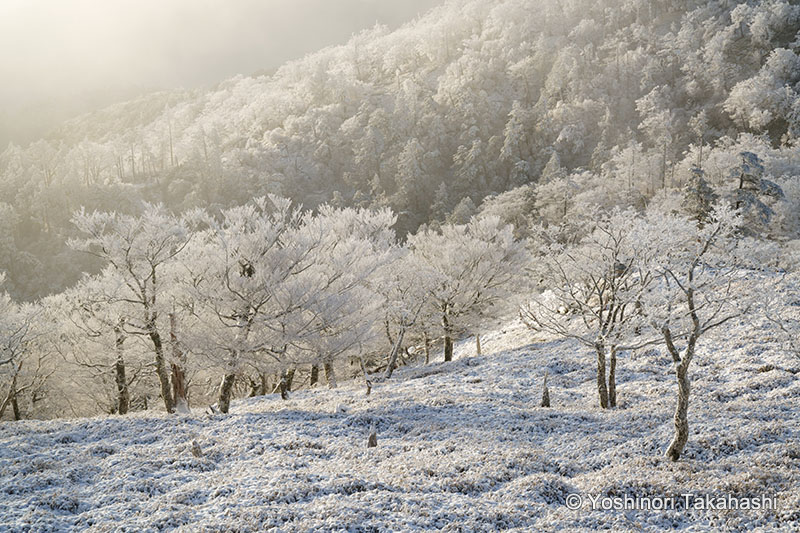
[462,446]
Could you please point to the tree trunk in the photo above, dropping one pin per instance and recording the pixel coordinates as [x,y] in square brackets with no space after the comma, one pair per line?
[700,156]
[478,344]
[284,392]
[5,404]
[7,401]
[11,398]
[123,394]
[681,414]
[602,389]
[364,373]
[330,374]
[225,390]
[314,374]
[448,339]
[290,379]
[179,396]
[264,384]
[179,389]
[612,378]
[161,367]
[14,402]
[427,341]
[448,348]
[395,353]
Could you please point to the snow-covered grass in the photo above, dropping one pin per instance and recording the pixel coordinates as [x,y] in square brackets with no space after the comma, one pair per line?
[462,446]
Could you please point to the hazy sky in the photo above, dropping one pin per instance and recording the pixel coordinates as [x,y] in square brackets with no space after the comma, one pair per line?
[63,57]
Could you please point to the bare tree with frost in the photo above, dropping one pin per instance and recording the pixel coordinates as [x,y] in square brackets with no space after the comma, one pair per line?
[232,272]
[405,285]
[22,369]
[343,314]
[139,249]
[93,338]
[475,267]
[593,290]
[273,286]
[702,285]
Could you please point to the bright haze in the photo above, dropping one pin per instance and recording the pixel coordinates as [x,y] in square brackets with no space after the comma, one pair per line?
[64,58]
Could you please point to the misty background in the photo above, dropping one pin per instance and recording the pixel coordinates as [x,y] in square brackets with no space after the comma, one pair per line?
[62,59]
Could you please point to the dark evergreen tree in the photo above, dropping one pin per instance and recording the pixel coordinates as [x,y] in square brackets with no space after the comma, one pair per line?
[698,197]
[754,193]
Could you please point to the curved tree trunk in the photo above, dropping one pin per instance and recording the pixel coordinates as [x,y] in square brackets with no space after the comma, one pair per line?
[161,367]
[681,419]
[395,353]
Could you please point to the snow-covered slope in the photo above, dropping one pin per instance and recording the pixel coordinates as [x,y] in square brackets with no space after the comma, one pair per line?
[462,446]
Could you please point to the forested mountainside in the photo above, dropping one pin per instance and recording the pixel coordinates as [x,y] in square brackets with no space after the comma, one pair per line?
[569,103]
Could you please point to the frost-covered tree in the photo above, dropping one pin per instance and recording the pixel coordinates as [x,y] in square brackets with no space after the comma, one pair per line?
[592,291]
[766,100]
[138,249]
[93,339]
[658,123]
[476,266]
[515,207]
[554,199]
[780,305]
[700,286]
[698,196]
[21,368]
[553,171]
[233,271]
[271,286]
[753,193]
[405,284]
[462,212]
[342,314]
[441,202]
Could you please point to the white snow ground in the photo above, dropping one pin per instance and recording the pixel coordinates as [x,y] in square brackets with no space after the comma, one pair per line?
[462,446]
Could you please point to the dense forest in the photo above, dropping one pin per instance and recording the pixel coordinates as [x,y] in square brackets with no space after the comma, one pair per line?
[566,104]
